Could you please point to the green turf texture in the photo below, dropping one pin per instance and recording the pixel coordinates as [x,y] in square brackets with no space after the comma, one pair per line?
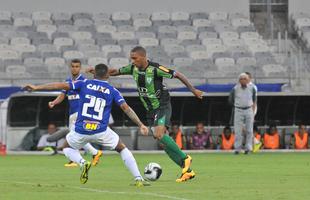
[281,176]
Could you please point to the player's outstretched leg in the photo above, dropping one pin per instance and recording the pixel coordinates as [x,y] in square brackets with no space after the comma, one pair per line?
[131,164]
[94,152]
[76,157]
[175,154]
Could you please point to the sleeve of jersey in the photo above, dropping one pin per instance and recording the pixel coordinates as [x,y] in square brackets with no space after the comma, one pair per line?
[165,72]
[76,85]
[126,70]
[117,97]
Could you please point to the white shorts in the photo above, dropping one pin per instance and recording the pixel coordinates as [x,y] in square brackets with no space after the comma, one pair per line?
[108,139]
[72,120]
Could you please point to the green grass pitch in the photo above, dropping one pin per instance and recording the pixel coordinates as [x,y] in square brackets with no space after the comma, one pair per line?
[279,176]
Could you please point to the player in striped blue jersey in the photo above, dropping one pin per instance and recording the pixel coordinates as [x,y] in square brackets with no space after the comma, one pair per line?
[96,99]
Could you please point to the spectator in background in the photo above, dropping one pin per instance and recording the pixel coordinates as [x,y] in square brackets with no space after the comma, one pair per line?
[299,140]
[201,139]
[271,139]
[177,135]
[257,142]
[226,140]
[50,146]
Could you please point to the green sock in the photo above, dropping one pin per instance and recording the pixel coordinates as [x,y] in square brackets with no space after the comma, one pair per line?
[173,150]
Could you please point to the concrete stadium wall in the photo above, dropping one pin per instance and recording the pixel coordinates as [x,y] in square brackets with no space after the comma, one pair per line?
[125,5]
[299,6]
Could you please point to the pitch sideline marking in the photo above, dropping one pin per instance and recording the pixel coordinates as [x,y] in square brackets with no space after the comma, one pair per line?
[102,191]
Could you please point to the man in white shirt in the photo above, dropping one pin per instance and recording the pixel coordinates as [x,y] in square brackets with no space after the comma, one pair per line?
[44,144]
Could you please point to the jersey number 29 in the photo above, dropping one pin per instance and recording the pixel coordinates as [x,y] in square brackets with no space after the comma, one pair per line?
[96,104]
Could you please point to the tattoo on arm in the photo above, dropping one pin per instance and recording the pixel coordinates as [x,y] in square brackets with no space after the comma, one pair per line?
[133,116]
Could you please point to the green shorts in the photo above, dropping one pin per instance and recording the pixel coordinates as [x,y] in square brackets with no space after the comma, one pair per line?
[160,116]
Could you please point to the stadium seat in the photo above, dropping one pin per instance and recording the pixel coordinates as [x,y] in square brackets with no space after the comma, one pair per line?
[17,71]
[81,15]
[83,22]
[88,47]
[111,49]
[41,15]
[62,41]
[48,29]
[274,70]
[106,41]
[118,62]
[23,22]
[211,41]
[69,55]
[199,15]
[61,16]
[160,16]
[67,28]
[192,48]
[125,28]
[21,14]
[202,23]
[204,35]
[124,35]
[90,54]
[103,22]
[217,16]
[81,35]
[237,22]
[19,40]
[20,48]
[148,42]
[187,35]
[101,16]
[33,62]
[93,61]
[140,15]
[142,22]
[224,62]
[246,61]
[5,15]
[182,62]
[199,55]
[229,35]
[106,29]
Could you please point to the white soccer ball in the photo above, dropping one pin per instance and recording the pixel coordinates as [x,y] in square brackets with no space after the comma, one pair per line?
[152,171]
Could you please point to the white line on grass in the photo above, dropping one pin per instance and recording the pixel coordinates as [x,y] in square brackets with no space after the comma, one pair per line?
[101,191]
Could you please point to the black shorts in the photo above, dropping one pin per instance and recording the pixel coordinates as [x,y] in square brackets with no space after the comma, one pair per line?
[160,116]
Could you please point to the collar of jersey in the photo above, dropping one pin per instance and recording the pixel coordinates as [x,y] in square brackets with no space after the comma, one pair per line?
[76,77]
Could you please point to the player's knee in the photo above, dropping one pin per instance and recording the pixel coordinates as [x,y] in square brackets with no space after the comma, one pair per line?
[120,146]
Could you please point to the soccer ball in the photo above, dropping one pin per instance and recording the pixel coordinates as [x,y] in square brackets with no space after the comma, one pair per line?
[152,171]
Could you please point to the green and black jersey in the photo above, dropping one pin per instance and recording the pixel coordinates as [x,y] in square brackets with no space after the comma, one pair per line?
[152,92]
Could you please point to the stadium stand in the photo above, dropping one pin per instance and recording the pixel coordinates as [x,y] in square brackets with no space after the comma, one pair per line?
[224,42]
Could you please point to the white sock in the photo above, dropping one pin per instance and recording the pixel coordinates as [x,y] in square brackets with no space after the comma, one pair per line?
[130,163]
[74,155]
[90,149]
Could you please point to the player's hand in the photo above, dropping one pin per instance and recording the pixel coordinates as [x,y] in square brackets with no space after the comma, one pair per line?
[144,130]
[51,104]
[198,93]
[30,87]
[90,70]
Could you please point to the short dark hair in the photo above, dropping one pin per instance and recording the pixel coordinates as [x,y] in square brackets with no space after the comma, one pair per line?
[249,74]
[76,61]
[175,123]
[227,128]
[101,70]
[138,49]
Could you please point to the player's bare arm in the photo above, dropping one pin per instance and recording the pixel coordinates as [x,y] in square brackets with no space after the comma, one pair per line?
[49,86]
[184,80]
[57,101]
[134,117]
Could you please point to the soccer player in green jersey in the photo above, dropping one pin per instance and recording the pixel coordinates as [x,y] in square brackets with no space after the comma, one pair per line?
[156,99]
